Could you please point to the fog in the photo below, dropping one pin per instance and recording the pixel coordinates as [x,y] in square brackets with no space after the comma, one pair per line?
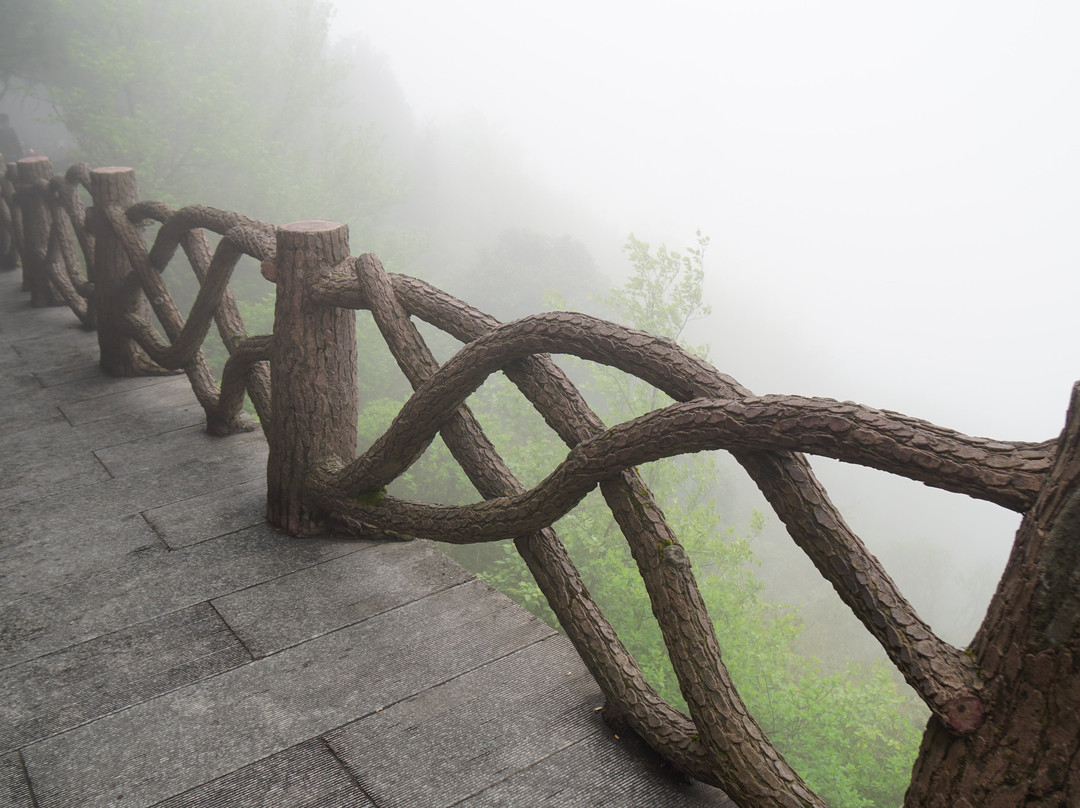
[890,193]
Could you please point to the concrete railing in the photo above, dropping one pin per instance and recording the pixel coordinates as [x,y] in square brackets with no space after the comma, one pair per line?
[302,382]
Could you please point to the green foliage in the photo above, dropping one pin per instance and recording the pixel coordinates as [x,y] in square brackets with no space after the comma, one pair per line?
[435,476]
[665,291]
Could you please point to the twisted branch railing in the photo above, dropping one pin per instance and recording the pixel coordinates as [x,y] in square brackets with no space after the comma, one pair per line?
[302,384]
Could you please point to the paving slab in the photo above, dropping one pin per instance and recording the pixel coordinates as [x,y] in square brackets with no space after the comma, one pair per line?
[84,379]
[303,776]
[153,582]
[21,385]
[14,785]
[318,599]
[27,408]
[118,435]
[29,470]
[482,734]
[155,451]
[474,731]
[16,384]
[61,353]
[224,509]
[37,562]
[159,404]
[59,691]
[594,773]
[169,745]
[47,541]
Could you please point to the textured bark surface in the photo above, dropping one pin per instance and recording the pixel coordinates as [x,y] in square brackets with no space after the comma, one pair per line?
[314,403]
[9,239]
[213,303]
[942,674]
[991,740]
[65,270]
[737,755]
[34,174]
[75,177]
[1027,753]
[115,295]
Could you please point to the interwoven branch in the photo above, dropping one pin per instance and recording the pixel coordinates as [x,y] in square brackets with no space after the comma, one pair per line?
[214,301]
[68,223]
[63,222]
[942,674]
[1008,474]
[75,177]
[752,424]
[7,217]
[720,743]
[14,220]
[187,227]
[732,740]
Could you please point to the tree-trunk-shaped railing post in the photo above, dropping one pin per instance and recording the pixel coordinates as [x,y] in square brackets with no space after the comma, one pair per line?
[33,173]
[114,295]
[314,398]
[9,249]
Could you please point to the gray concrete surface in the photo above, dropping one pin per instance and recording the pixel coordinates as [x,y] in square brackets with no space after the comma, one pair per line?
[160,644]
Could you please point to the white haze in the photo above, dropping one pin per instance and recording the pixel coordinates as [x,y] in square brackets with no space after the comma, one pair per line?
[892,193]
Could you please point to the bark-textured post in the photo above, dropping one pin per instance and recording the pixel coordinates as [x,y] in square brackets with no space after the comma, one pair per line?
[1027,754]
[34,172]
[314,399]
[113,296]
[9,253]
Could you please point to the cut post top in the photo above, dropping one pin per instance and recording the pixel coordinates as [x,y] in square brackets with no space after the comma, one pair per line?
[312,226]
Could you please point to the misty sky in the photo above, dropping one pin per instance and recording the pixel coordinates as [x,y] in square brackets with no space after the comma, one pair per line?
[894,187]
[892,190]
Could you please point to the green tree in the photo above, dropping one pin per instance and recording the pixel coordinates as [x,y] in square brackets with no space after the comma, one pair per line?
[666,291]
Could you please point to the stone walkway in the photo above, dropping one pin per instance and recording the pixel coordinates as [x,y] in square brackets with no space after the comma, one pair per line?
[160,644]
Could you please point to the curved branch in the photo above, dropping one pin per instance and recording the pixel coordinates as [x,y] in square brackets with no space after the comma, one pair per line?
[257,239]
[1009,474]
[76,175]
[13,196]
[7,222]
[943,675]
[188,336]
[168,314]
[752,424]
[747,762]
[61,260]
[196,368]
[608,660]
[246,359]
[251,237]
